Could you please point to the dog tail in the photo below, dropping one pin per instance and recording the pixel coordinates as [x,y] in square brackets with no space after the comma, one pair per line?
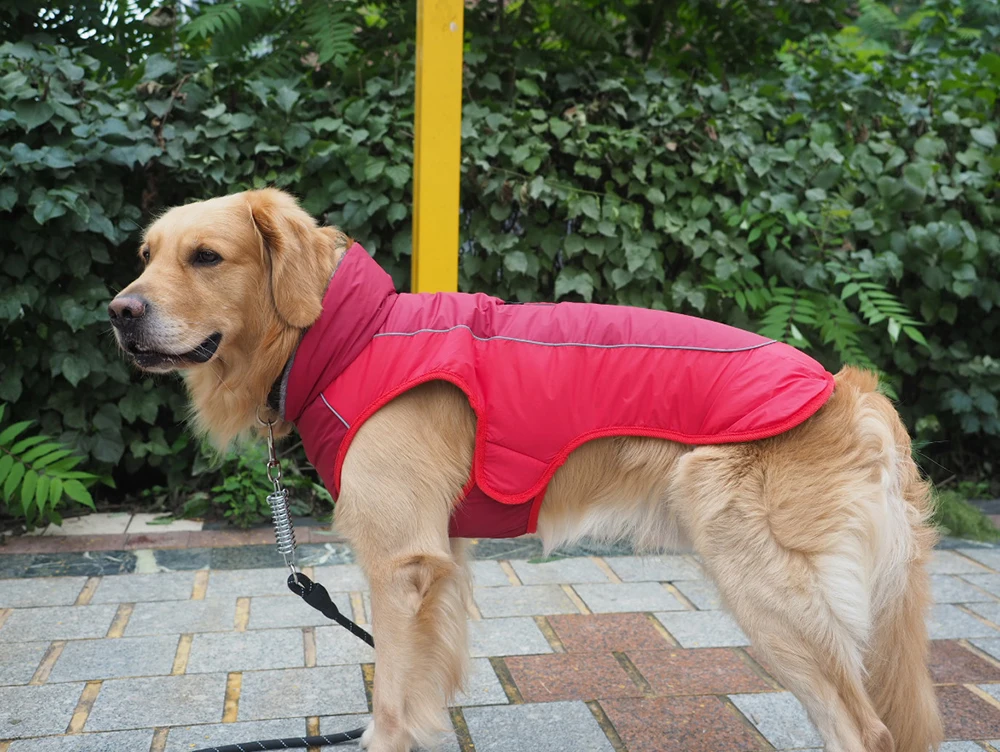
[898,679]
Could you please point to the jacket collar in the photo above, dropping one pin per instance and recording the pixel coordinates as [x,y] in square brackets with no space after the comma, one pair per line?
[355,306]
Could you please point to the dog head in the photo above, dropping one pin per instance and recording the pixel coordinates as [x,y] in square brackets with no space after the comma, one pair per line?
[227,287]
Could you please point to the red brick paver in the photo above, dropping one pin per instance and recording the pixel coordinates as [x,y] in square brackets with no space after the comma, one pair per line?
[950,663]
[680,724]
[570,676]
[711,671]
[604,633]
[967,716]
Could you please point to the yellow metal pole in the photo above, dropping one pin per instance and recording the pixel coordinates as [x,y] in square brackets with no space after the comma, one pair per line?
[437,147]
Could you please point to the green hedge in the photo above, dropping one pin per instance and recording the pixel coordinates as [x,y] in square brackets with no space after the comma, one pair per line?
[845,203]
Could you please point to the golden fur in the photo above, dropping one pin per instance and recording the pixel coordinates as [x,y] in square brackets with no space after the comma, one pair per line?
[817,539]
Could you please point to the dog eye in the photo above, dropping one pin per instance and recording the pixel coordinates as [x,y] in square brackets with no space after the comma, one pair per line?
[205,257]
[145,255]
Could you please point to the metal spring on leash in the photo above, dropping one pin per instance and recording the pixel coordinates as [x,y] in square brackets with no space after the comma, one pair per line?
[284,531]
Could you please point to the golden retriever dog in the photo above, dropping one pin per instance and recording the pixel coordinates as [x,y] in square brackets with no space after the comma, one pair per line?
[817,538]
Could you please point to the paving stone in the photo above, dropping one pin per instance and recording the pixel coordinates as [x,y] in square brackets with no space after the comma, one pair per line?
[246,651]
[947,622]
[989,557]
[158,701]
[87,564]
[178,617]
[133,588]
[482,687]
[99,523]
[679,724]
[630,596]
[18,661]
[40,591]
[950,663]
[528,600]
[57,623]
[559,571]
[310,691]
[117,741]
[335,646]
[988,582]
[960,747]
[949,562]
[89,660]
[37,711]
[324,554]
[946,588]
[182,560]
[147,523]
[282,611]
[655,568]
[990,646]
[702,593]
[516,635]
[965,715]
[337,723]
[605,633]
[710,671]
[15,565]
[703,629]
[186,738]
[246,557]
[505,548]
[540,727]
[488,574]
[243,583]
[570,676]
[780,718]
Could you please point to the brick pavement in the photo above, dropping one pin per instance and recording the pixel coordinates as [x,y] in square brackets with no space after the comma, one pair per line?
[600,651]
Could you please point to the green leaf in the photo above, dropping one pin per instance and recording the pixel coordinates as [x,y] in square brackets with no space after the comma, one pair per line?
[12,431]
[559,128]
[28,488]
[76,491]
[13,478]
[55,492]
[30,115]
[6,463]
[42,492]
[574,280]
[984,136]
[516,261]
[39,451]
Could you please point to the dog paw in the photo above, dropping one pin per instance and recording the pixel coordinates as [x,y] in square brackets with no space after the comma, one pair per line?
[366,737]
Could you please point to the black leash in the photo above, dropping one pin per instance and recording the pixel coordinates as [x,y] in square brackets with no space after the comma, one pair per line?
[312,593]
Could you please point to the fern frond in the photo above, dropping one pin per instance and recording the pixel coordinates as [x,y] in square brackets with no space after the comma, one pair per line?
[329,27]
[579,28]
[225,23]
[36,473]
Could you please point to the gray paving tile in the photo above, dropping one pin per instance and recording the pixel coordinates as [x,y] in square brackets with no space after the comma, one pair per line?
[342,578]
[988,645]
[488,573]
[559,571]
[988,582]
[178,617]
[960,747]
[947,588]
[702,593]
[282,611]
[481,686]
[780,718]
[186,738]
[310,691]
[655,568]
[18,661]
[336,646]
[949,562]
[528,600]
[89,660]
[158,701]
[629,596]
[132,588]
[243,583]
[703,629]
[116,741]
[516,635]
[989,557]
[993,690]
[86,563]
[40,591]
[539,727]
[37,711]
[57,623]
[947,622]
[246,651]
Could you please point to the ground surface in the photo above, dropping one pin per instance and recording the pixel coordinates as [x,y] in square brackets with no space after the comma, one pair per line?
[178,639]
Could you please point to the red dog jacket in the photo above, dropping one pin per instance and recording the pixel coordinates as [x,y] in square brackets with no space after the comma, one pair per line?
[541,378]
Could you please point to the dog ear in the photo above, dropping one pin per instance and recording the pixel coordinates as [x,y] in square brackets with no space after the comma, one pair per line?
[300,255]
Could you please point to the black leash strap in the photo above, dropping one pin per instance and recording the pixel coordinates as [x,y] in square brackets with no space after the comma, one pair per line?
[316,596]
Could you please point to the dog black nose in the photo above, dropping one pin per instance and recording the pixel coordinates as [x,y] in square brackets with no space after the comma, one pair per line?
[125,309]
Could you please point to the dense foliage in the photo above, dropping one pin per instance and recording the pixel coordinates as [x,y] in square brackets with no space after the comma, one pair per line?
[838,191]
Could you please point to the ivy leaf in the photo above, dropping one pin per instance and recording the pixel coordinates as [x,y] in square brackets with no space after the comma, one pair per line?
[984,136]
[286,98]
[516,261]
[574,280]
[33,114]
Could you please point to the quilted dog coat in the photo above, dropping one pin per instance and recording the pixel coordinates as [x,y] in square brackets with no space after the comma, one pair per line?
[541,378]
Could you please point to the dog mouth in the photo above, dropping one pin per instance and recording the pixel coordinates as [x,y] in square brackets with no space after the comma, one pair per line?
[148,359]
